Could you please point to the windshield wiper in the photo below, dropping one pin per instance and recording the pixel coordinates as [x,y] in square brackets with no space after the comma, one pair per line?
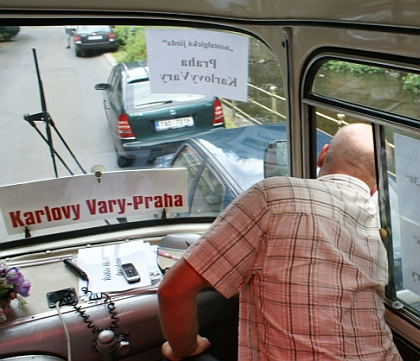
[155,102]
[44,116]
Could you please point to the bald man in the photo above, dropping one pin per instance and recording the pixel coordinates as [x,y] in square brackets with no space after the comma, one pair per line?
[306,259]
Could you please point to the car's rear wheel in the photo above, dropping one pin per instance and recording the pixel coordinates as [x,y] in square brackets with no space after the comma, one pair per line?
[78,52]
[124,162]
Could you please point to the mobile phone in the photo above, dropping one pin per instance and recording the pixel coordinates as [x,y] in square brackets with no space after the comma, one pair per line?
[130,273]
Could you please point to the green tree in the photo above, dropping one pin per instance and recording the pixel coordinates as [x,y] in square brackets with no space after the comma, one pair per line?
[7,33]
[412,82]
[132,43]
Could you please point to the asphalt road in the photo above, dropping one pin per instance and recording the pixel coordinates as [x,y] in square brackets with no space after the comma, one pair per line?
[71,100]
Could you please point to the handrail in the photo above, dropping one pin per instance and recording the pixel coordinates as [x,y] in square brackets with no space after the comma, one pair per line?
[232,105]
[273,88]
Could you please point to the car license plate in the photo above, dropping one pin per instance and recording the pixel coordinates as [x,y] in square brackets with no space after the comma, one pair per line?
[174,123]
[95,37]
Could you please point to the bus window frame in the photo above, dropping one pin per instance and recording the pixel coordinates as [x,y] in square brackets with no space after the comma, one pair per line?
[379,120]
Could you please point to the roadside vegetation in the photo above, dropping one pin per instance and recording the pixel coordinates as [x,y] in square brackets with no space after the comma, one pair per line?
[132,43]
[410,81]
[7,33]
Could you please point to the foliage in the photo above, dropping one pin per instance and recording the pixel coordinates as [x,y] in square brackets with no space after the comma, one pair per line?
[132,43]
[341,66]
[12,286]
[412,82]
[7,33]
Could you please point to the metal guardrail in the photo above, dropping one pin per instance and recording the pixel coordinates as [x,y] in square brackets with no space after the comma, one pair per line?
[237,112]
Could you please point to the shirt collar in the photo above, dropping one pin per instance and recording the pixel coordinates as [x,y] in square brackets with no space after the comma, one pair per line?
[346,181]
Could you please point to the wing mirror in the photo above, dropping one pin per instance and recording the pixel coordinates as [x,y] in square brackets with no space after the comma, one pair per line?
[101,86]
[275,159]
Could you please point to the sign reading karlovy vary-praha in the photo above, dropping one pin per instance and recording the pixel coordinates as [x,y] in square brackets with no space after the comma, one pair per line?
[82,198]
[198,62]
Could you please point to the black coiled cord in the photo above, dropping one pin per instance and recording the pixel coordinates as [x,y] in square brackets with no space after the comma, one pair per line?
[95,297]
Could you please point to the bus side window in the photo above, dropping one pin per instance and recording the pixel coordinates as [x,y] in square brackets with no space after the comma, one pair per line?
[403,241]
[378,89]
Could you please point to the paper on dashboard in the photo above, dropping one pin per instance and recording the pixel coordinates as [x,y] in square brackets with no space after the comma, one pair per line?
[103,266]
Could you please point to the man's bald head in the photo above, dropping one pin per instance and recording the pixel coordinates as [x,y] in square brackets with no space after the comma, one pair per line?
[350,152]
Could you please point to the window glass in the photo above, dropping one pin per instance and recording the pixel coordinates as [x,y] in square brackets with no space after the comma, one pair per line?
[112,80]
[140,90]
[92,29]
[393,91]
[399,187]
[403,188]
[208,197]
[189,159]
[331,121]
[85,81]
[117,90]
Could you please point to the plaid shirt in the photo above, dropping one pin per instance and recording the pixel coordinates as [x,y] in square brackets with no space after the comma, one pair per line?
[310,267]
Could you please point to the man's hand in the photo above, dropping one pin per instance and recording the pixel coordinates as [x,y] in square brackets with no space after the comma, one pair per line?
[202,344]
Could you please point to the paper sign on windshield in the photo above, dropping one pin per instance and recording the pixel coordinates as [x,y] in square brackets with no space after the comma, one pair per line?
[198,62]
[76,199]
[407,160]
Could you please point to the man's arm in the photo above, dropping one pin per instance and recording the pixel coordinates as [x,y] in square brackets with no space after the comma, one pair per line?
[178,311]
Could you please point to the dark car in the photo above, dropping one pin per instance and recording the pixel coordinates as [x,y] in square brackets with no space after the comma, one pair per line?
[145,125]
[223,164]
[90,38]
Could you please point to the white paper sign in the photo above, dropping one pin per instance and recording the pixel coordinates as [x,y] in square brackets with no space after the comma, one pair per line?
[103,266]
[81,198]
[410,251]
[407,161]
[198,62]
[407,164]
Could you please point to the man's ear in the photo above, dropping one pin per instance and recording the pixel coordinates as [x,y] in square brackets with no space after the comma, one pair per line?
[322,154]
